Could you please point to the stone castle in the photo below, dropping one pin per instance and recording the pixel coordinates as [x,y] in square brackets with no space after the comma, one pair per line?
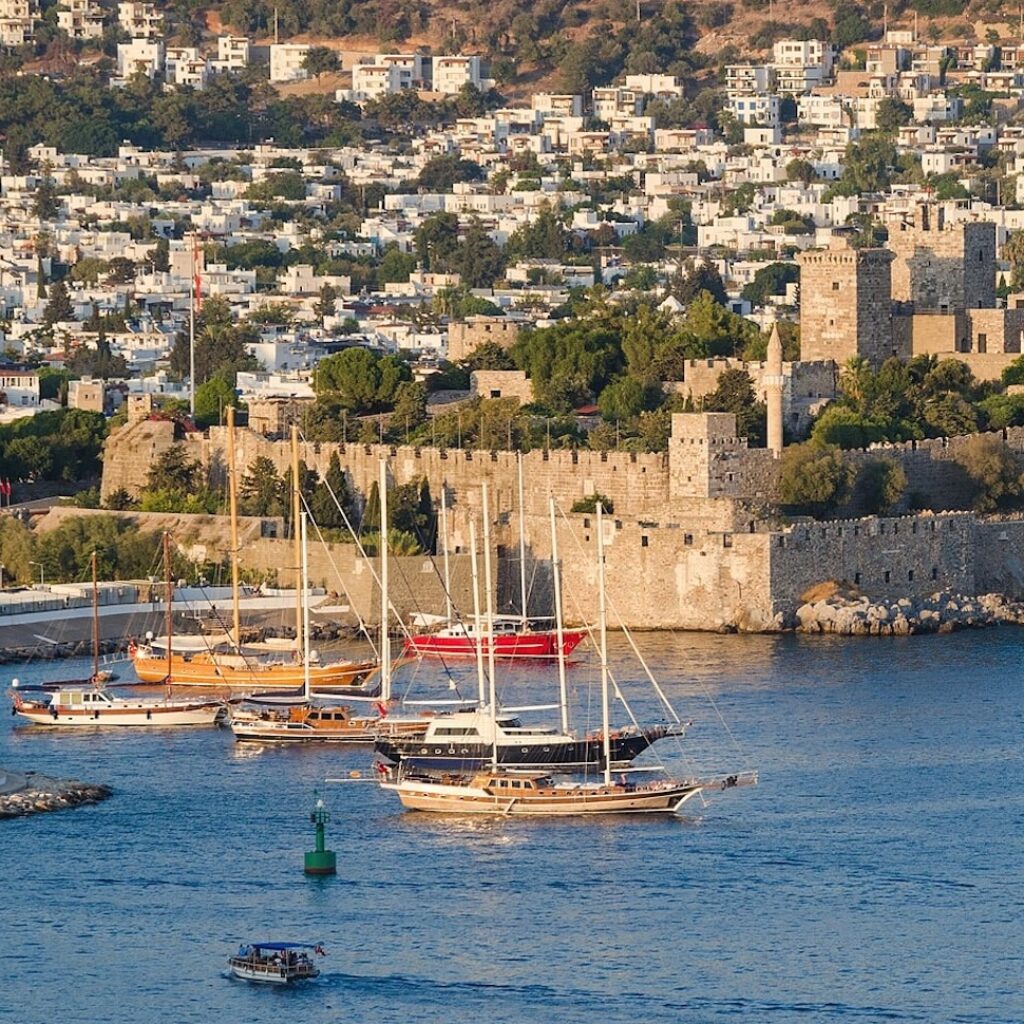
[692,542]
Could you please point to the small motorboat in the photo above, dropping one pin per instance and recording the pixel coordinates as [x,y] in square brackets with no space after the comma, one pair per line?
[276,963]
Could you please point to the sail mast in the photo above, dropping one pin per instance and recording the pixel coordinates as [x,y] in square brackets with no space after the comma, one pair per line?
[306,687]
[385,607]
[236,615]
[603,626]
[522,540]
[299,543]
[477,624]
[95,622]
[444,553]
[556,579]
[489,598]
[168,598]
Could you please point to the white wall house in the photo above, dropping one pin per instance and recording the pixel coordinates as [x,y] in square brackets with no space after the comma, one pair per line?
[140,20]
[145,56]
[286,61]
[452,73]
[232,53]
[19,386]
[17,22]
[80,19]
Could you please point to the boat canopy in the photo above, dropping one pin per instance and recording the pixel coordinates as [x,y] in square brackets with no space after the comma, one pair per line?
[279,946]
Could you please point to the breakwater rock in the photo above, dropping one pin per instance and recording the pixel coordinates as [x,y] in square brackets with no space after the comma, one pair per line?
[938,613]
[23,793]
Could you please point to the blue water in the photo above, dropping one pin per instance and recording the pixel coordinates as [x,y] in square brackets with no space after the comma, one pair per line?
[874,875]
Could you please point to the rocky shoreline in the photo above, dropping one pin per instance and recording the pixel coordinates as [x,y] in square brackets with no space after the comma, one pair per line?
[24,793]
[848,615]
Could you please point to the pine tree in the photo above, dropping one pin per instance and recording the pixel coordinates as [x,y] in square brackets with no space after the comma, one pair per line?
[59,307]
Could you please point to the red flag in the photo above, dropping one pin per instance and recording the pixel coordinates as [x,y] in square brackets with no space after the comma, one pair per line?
[382,709]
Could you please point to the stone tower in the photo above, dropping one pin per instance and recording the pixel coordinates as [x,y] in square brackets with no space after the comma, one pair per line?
[940,267]
[774,382]
[846,303]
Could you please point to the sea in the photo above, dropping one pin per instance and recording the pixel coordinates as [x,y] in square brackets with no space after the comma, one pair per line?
[875,874]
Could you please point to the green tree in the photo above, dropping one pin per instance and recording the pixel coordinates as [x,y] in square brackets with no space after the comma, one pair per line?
[478,260]
[879,485]
[321,60]
[46,205]
[173,471]
[440,173]
[702,278]
[326,304]
[358,380]
[213,396]
[994,472]
[735,394]
[542,238]
[770,280]
[591,501]
[330,492]
[893,113]
[813,478]
[410,409]
[59,308]
[437,241]
[261,491]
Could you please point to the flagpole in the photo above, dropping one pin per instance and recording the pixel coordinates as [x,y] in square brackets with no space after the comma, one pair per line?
[192,333]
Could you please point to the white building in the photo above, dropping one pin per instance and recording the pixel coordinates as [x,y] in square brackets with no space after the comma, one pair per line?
[452,73]
[549,104]
[140,56]
[19,386]
[140,20]
[372,80]
[748,79]
[615,102]
[801,65]
[17,22]
[184,66]
[286,62]
[80,19]
[756,110]
[663,86]
[232,53]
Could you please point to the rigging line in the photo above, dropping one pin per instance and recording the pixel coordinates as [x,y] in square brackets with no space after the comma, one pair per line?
[373,573]
[629,636]
[337,572]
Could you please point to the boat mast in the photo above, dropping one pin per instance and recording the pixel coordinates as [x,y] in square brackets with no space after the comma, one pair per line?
[306,687]
[95,622]
[299,543]
[603,627]
[236,615]
[556,578]
[168,598]
[444,553]
[522,540]
[489,598]
[385,606]
[477,624]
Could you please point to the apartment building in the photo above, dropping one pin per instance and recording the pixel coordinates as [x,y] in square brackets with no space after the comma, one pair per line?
[17,22]
[80,19]
[453,72]
[140,56]
[286,62]
[140,20]
[801,65]
[233,53]
[372,80]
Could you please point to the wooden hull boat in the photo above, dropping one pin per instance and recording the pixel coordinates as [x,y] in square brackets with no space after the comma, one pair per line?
[276,963]
[319,725]
[234,671]
[89,709]
[504,794]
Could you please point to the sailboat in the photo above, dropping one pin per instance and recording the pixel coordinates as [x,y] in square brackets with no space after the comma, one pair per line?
[306,722]
[512,636]
[234,666]
[497,790]
[74,705]
[465,739]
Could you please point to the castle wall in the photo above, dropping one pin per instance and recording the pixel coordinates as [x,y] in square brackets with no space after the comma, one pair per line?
[891,558]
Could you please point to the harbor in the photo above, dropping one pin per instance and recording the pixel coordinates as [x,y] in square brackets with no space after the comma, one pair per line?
[888,806]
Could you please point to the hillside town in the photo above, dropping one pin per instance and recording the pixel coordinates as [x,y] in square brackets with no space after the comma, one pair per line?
[822,283]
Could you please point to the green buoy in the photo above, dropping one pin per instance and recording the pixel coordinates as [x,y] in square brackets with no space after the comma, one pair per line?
[320,861]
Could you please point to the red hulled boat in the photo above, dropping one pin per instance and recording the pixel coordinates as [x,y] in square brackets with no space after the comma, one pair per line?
[513,637]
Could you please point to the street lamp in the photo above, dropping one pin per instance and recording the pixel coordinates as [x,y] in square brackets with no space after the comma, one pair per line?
[42,579]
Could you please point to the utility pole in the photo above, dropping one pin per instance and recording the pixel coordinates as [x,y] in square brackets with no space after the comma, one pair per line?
[275,27]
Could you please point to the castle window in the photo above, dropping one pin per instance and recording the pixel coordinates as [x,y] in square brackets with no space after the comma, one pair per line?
[887,574]
[910,576]
[981,255]
[643,542]
[586,524]
[688,539]
[726,540]
[982,342]
[835,286]
[856,578]
[935,573]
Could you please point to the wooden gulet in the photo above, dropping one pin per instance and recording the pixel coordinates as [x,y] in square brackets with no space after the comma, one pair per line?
[236,667]
[499,791]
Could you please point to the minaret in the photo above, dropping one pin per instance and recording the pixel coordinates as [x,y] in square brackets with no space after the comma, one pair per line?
[773,384]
